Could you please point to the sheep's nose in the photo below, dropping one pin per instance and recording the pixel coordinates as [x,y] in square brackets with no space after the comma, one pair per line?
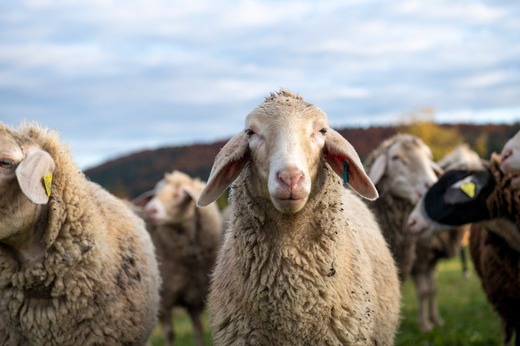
[151,212]
[290,177]
[506,154]
[411,223]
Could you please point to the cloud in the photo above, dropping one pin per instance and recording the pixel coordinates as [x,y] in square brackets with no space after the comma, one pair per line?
[144,73]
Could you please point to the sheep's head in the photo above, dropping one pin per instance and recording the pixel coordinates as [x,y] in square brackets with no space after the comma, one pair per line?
[284,142]
[510,156]
[173,199]
[24,180]
[457,198]
[407,168]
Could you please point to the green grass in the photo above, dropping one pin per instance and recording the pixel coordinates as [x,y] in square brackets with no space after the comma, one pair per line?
[469,319]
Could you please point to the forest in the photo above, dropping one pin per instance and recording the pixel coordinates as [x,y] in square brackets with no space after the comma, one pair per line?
[131,175]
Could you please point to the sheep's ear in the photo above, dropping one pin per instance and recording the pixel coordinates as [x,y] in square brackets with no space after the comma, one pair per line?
[378,168]
[228,164]
[191,193]
[437,169]
[143,198]
[341,155]
[34,175]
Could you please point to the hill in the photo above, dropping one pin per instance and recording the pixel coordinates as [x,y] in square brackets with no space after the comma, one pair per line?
[131,175]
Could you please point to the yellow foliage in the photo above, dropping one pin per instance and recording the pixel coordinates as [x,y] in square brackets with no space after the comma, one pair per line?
[441,140]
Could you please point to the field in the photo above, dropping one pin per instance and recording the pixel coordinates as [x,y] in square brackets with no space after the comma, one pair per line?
[469,319]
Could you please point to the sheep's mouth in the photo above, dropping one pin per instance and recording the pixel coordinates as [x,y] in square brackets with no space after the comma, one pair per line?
[289,204]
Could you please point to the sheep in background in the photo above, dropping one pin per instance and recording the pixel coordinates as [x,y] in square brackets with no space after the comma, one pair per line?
[77,267]
[465,196]
[462,157]
[402,169]
[187,240]
[303,260]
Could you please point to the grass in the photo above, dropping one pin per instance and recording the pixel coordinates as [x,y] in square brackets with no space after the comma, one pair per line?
[469,319]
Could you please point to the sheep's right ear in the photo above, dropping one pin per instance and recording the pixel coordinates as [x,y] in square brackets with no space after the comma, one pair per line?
[378,168]
[228,164]
[34,175]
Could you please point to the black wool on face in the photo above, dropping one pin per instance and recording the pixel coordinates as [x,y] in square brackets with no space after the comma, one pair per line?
[459,197]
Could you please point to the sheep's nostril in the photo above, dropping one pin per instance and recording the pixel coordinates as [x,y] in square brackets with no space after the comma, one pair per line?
[290,178]
[151,212]
[506,154]
[411,223]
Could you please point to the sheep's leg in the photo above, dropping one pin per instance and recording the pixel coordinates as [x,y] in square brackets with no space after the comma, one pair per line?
[197,326]
[167,327]
[421,289]
[464,262]
[435,316]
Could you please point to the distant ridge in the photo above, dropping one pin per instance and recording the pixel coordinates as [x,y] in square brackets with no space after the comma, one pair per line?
[131,175]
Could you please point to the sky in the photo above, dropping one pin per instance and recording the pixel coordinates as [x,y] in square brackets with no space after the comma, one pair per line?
[116,77]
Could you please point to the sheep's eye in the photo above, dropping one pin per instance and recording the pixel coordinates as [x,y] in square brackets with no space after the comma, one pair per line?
[395,158]
[6,163]
[323,131]
[249,132]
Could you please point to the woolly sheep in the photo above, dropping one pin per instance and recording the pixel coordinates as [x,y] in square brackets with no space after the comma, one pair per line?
[402,169]
[303,260]
[465,196]
[187,240]
[77,267]
[462,157]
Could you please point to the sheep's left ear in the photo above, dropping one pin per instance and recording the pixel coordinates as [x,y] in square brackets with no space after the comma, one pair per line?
[228,164]
[143,199]
[191,193]
[344,160]
[34,175]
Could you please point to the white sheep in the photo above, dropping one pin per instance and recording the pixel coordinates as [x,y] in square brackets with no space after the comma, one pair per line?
[303,260]
[486,198]
[77,267]
[402,169]
[187,240]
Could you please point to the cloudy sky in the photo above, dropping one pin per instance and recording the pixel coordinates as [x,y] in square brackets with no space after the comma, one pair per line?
[114,77]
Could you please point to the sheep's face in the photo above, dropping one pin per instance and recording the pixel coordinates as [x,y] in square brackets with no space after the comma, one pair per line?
[172,202]
[407,168]
[510,156]
[419,224]
[286,145]
[457,198]
[22,167]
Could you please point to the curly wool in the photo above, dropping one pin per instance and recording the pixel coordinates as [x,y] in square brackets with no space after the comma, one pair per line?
[97,281]
[323,276]
[505,199]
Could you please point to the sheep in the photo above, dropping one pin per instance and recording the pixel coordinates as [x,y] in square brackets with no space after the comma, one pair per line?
[77,267]
[462,157]
[487,199]
[187,240]
[402,169]
[303,260]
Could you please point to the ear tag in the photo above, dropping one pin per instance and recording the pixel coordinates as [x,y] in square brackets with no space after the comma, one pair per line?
[345,172]
[468,189]
[47,183]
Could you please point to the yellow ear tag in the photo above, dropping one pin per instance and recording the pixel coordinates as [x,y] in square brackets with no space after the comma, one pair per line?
[47,183]
[468,189]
